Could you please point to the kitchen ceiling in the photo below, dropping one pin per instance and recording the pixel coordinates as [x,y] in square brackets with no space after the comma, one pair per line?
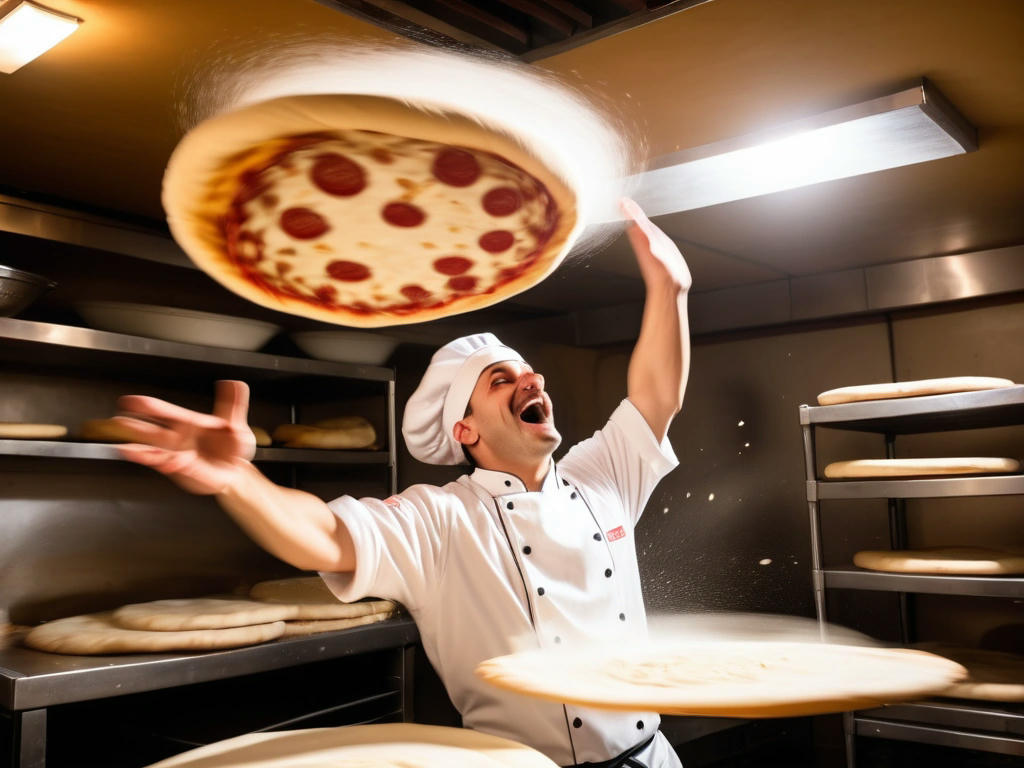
[91,124]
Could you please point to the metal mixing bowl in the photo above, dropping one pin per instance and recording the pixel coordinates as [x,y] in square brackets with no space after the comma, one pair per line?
[18,289]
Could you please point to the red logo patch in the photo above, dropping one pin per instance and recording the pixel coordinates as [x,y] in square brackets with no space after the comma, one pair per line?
[393,501]
[616,533]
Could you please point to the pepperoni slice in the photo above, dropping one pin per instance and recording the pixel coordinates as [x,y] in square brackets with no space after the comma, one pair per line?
[337,175]
[464,283]
[403,215]
[452,265]
[328,294]
[456,167]
[496,241]
[302,223]
[251,185]
[415,292]
[502,201]
[348,271]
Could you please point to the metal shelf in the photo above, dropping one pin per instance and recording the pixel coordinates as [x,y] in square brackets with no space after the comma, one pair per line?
[33,679]
[995,727]
[975,586]
[921,488]
[53,343]
[932,413]
[108,452]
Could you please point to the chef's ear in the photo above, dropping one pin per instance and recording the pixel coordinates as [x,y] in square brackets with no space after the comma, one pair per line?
[465,433]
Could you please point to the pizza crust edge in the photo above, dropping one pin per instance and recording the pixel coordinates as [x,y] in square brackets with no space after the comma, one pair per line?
[201,179]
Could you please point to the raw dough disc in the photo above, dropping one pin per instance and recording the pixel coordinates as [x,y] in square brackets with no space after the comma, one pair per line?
[294,628]
[971,465]
[991,675]
[96,634]
[313,600]
[199,613]
[392,745]
[725,678]
[967,561]
[22,431]
[911,389]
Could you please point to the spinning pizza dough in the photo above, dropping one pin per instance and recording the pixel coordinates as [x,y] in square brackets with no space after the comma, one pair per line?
[364,210]
[911,389]
[311,599]
[96,634]
[393,745]
[973,465]
[967,561]
[991,675]
[725,678]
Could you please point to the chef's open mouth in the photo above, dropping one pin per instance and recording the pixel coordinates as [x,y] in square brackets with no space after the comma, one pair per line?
[533,414]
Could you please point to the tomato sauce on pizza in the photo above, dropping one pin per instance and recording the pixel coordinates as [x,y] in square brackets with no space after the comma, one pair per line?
[379,223]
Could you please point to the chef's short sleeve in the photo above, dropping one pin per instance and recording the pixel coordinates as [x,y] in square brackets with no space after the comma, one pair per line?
[624,459]
[398,544]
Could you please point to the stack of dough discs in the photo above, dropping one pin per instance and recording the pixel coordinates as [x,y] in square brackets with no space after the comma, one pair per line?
[316,609]
[342,433]
[97,633]
[725,678]
[393,745]
[972,465]
[965,561]
[991,675]
[199,613]
[23,431]
[911,389]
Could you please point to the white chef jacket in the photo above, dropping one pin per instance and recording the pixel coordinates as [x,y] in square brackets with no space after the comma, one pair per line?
[487,568]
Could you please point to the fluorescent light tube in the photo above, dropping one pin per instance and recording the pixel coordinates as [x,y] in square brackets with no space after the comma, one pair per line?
[912,126]
[29,31]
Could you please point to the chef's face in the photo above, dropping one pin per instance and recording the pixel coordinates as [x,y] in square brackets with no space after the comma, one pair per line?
[512,415]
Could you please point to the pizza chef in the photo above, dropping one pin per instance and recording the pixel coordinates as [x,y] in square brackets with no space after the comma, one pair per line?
[520,548]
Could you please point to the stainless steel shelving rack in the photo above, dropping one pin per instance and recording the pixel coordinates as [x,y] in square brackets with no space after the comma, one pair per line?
[32,683]
[990,727]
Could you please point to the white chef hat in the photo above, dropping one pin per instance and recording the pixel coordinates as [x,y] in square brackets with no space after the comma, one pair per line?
[440,400]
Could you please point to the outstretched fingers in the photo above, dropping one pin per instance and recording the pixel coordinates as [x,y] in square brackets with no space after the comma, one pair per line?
[154,409]
[232,402]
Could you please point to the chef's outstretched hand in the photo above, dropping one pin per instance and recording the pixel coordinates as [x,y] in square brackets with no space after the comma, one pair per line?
[201,452]
[657,256]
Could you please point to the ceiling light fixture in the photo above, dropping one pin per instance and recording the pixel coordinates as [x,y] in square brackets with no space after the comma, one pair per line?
[910,126]
[29,30]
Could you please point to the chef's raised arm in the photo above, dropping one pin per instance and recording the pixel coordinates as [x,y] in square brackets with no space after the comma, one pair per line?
[660,364]
[209,454]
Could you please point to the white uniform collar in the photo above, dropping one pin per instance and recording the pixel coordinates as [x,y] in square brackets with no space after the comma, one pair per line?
[502,483]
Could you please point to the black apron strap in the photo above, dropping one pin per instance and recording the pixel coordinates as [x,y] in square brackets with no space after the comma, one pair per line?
[625,760]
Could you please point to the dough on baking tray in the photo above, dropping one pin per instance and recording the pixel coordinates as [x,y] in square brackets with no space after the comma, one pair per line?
[970,465]
[967,561]
[391,745]
[341,433]
[315,626]
[917,388]
[23,431]
[313,600]
[199,613]
[97,634]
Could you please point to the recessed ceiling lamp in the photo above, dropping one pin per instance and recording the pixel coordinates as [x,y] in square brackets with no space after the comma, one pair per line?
[903,128]
[28,30]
